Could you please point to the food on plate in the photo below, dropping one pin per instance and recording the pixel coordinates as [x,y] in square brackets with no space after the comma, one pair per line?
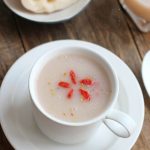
[46,6]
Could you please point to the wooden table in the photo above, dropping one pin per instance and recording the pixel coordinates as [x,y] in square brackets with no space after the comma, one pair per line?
[103,22]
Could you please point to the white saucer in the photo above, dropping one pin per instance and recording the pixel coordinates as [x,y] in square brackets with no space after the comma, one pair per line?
[66,14]
[16,114]
[146,72]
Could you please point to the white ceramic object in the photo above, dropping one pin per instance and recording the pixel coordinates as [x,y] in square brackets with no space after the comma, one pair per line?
[146,72]
[16,113]
[71,133]
[59,16]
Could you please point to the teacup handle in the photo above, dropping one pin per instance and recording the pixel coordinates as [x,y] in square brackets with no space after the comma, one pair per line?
[120,123]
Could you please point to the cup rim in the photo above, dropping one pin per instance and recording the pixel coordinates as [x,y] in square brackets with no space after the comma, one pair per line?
[66,123]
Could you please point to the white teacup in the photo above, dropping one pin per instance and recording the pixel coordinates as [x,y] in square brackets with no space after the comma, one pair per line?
[70,133]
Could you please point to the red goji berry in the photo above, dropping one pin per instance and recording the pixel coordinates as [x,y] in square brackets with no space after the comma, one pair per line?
[73,76]
[70,94]
[64,84]
[86,81]
[85,94]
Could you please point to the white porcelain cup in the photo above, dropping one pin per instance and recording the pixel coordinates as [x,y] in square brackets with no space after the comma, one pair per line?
[70,133]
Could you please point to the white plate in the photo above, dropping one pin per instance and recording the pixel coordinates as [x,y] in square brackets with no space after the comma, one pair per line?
[65,14]
[146,72]
[16,114]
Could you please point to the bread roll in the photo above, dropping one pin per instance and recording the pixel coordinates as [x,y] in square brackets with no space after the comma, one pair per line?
[46,6]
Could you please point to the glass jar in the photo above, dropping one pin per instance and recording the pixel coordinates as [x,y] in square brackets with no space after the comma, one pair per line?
[140,13]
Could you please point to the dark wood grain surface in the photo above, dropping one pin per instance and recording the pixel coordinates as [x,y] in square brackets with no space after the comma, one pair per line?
[102,22]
